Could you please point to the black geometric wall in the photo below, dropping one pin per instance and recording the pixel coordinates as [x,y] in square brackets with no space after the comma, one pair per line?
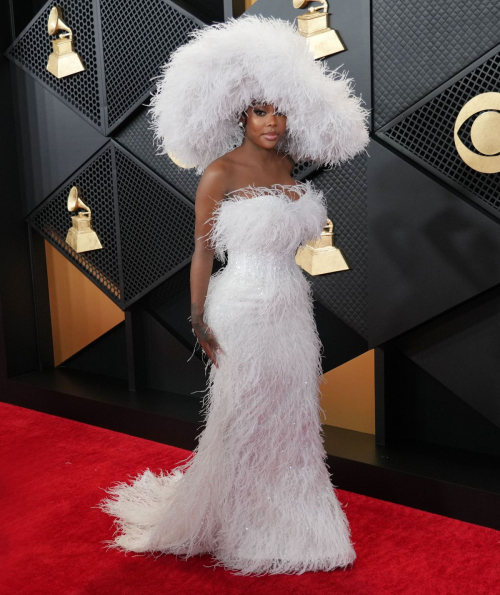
[53,220]
[419,229]
[418,46]
[433,229]
[156,232]
[137,137]
[346,292]
[425,133]
[136,38]
[143,243]
[122,45]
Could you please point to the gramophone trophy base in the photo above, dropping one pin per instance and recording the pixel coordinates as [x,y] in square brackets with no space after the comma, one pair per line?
[322,40]
[325,43]
[64,61]
[81,237]
[318,261]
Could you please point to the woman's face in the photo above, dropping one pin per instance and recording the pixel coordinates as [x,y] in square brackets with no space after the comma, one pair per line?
[264,127]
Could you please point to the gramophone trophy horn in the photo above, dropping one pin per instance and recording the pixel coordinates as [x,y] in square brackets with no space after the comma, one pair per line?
[314,25]
[321,256]
[64,60]
[81,237]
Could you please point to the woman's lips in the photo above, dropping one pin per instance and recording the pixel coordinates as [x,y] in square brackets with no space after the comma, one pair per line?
[271,136]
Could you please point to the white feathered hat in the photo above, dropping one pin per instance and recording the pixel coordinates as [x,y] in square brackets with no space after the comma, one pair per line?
[210,80]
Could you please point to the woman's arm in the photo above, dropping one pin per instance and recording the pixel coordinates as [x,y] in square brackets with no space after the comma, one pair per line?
[211,190]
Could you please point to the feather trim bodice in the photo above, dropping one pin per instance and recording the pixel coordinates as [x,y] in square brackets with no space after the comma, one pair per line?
[260,220]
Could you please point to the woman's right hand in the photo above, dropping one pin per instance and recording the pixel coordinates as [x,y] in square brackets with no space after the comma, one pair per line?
[207,340]
[211,190]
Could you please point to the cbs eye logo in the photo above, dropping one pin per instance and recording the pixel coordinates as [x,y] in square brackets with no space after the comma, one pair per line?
[485,133]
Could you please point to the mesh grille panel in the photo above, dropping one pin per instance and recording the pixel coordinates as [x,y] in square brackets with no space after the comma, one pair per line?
[157,228]
[137,137]
[137,39]
[53,221]
[428,133]
[407,38]
[32,50]
[345,293]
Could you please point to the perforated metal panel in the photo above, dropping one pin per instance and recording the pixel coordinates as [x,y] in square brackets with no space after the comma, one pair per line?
[53,220]
[417,46]
[345,293]
[427,134]
[137,38]
[156,228]
[32,49]
[137,137]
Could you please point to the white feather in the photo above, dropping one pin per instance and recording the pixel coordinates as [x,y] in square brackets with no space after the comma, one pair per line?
[212,78]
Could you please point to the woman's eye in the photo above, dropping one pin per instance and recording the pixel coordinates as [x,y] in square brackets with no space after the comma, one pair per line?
[259,112]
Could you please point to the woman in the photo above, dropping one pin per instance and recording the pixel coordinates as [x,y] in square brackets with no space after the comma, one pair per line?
[240,102]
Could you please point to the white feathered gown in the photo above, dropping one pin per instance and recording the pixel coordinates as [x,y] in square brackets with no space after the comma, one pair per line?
[256,493]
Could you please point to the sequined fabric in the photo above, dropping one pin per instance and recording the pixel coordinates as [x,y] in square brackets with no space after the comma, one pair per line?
[256,493]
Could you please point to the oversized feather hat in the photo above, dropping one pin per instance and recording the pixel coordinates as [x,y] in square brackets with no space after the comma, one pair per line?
[210,80]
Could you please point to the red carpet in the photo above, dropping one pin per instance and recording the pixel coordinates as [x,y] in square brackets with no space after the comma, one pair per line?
[52,470]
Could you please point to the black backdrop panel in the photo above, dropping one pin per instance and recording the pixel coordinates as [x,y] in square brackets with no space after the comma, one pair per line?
[417,46]
[106,355]
[345,293]
[137,38]
[156,228]
[137,137]
[427,134]
[168,366]
[428,249]
[421,409]
[208,10]
[53,220]
[81,91]
[461,349]
[53,141]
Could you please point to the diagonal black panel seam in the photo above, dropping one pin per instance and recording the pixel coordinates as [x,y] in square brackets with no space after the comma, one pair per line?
[117,226]
[191,12]
[100,66]
[438,90]
[74,174]
[447,389]
[445,314]
[90,345]
[177,336]
[146,167]
[372,70]
[177,194]
[439,178]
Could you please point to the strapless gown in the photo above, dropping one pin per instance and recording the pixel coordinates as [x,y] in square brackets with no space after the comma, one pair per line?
[256,492]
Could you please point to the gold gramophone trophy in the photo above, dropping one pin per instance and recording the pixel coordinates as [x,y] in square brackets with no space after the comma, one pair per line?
[64,60]
[321,256]
[315,27]
[81,237]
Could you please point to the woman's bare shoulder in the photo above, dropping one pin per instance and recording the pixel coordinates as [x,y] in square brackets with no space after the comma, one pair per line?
[213,182]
